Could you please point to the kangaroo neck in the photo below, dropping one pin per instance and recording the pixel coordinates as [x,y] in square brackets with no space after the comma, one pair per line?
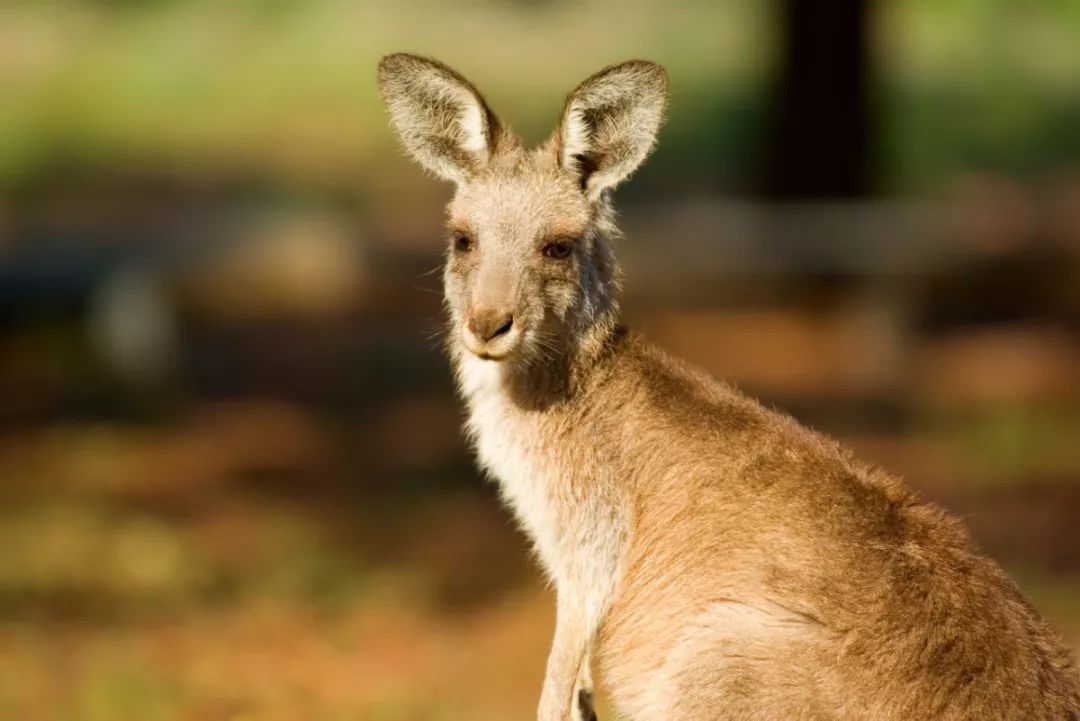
[552,380]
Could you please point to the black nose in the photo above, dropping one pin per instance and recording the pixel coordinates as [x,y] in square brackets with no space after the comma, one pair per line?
[490,324]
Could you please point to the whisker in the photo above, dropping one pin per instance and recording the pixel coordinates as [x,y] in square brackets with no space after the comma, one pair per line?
[433,271]
[425,290]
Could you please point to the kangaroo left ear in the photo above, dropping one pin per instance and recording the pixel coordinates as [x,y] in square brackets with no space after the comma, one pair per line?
[610,123]
[440,117]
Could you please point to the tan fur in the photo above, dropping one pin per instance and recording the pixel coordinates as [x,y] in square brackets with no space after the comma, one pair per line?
[719,560]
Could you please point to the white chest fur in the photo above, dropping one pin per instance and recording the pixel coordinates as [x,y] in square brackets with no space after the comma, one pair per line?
[579,536]
[510,447]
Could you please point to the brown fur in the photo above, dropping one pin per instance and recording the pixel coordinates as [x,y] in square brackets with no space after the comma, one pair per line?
[717,559]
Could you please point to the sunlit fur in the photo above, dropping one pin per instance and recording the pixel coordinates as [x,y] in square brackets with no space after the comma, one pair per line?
[718,560]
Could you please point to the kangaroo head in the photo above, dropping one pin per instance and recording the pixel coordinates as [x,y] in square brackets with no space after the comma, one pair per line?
[529,271]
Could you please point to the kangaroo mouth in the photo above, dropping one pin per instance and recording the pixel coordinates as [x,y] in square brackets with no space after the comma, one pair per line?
[495,349]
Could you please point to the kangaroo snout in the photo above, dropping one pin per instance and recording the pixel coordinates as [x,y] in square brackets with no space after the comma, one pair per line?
[490,332]
[487,324]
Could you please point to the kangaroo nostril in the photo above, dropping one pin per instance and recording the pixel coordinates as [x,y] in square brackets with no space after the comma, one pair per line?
[504,328]
[490,325]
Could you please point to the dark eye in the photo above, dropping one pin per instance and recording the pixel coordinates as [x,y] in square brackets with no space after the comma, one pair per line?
[558,249]
[462,243]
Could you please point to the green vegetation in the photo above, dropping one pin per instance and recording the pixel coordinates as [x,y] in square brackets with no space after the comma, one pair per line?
[285,88]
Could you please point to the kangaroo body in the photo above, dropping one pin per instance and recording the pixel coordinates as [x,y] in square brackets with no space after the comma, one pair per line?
[716,559]
[738,566]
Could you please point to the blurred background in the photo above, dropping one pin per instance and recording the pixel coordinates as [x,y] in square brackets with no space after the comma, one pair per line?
[232,482]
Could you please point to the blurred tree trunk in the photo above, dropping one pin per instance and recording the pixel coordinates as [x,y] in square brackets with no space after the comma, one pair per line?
[819,141]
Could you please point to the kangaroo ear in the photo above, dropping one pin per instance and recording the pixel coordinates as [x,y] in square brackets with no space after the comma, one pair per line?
[610,123]
[440,118]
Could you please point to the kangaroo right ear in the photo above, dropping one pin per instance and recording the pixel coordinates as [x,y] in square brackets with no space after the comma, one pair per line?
[610,124]
[442,120]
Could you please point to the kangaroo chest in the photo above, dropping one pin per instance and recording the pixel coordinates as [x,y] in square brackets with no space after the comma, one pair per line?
[509,449]
[564,499]
[561,496]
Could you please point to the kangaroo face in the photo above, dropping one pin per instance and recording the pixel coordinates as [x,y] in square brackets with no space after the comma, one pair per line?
[528,264]
[519,266]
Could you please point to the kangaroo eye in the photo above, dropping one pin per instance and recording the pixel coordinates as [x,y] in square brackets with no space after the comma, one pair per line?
[558,249]
[462,243]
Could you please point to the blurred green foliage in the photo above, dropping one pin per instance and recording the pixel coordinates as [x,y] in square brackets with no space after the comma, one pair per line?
[990,85]
[287,87]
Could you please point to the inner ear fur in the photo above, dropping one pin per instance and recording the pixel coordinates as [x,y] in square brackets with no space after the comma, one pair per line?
[610,122]
[442,120]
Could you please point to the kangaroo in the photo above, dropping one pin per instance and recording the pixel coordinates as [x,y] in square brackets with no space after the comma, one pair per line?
[713,557]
